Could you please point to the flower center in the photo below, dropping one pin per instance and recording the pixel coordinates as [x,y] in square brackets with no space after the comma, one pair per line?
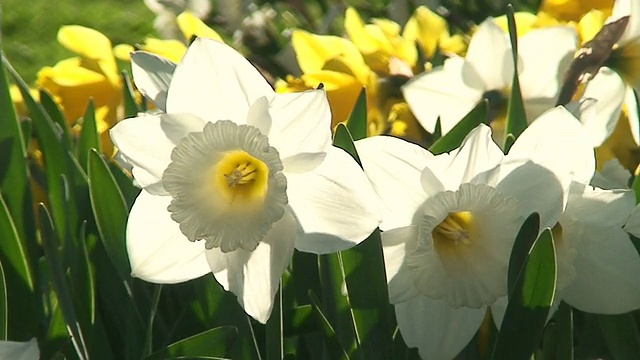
[454,231]
[226,185]
[240,176]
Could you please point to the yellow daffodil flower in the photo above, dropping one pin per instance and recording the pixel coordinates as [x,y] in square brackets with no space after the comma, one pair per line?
[190,26]
[337,64]
[93,74]
[573,10]
[430,31]
[379,42]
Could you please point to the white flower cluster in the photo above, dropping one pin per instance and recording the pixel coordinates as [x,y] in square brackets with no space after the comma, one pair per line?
[235,177]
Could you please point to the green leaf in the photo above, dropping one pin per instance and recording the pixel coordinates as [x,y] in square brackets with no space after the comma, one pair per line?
[56,155]
[344,141]
[299,320]
[110,212]
[17,253]
[131,108]
[525,239]
[211,343]
[621,335]
[558,335]
[89,138]
[336,350]
[516,115]
[52,108]
[4,310]
[275,333]
[336,308]
[60,283]
[18,277]
[357,123]
[453,139]
[529,302]
[366,283]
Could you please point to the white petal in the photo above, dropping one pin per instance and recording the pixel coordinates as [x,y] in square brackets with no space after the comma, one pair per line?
[437,330]
[633,224]
[612,176]
[447,92]
[20,350]
[395,244]
[215,82]
[600,207]
[477,154]
[608,89]
[301,123]
[536,188]
[607,267]
[335,204]
[546,55]
[158,251]
[254,276]
[303,162]
[629,8]
[557,141]
[259,116]
[146,143]
[152,75]
[394,167]
[495,67]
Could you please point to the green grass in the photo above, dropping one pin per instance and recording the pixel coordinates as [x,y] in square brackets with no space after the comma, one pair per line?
[29,28]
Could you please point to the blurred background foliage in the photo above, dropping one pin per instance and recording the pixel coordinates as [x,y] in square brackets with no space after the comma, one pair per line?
[29,27]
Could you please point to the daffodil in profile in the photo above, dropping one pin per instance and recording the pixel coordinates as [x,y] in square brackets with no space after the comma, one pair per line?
[235,176]
[449,221]
[449,92]
[92,74]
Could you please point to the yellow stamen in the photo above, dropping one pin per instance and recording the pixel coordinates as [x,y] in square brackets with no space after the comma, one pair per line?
[240,178]
[454,231]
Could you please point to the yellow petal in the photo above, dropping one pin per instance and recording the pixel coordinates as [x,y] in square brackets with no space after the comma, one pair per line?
[123,52]
[573,10]
[173,50]
[73,86]
[86,42]
[426,27]
[590,24]
[314,51]
[525,22]
[355,28]
[191,26]
[620,145]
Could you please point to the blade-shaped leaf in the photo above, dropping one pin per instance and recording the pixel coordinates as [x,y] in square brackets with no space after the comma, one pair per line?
[214,342]
[344,141]
[130,104]
[516,115]
[529,302]
[357,123]
[366,284]
[275,337]
[110,212]
[336,350]
[89,138]
[453,139]
[60,283]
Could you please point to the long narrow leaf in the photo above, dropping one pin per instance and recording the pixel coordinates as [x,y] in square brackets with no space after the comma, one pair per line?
[453,139]
[357,123]
[110,212]
[529,302]
[211,343]
[60,284]
[516,115]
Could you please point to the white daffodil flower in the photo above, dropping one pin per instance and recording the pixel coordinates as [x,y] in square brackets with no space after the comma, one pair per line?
[598,266]
[449,92]
[450,220]
[13,350]
[235,176]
